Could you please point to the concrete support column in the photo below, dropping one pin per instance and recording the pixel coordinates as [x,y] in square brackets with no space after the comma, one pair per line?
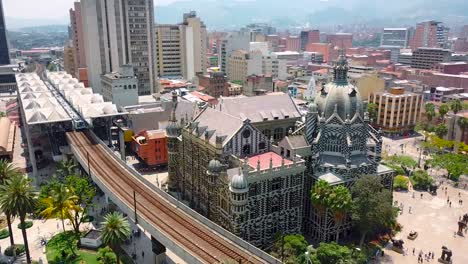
[159,251]
[32,156]
[122,145]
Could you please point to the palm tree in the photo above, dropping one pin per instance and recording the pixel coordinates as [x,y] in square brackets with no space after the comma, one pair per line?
[430,111]
[115,230]
[340,203]
[463,123]
[66,167]
[319,194]
[61,203]
[18,197]
[6,172]
[443,110]
[456,106]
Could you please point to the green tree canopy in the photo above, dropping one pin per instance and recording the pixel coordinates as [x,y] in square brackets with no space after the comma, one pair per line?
[443,110]
[7,171]
[463,123]
[18,197]
[372,109]
[455,105]
[332,253]
[455,164]
[372,206]
[400,182]
[293,248]
[430,111]
[115,230]
[61,203]
[421,179]
[441,130]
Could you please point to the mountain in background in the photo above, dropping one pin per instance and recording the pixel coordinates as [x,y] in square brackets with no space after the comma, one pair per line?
[231,14]
[13,23]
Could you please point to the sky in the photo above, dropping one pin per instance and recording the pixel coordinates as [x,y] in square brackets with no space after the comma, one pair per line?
[47,9]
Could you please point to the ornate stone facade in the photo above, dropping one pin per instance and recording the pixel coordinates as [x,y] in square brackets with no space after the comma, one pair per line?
[231,172]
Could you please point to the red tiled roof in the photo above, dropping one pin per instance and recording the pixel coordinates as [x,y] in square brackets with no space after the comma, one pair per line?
[265,160]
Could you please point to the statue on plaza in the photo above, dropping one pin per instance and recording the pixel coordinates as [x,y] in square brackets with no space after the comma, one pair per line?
[446,255]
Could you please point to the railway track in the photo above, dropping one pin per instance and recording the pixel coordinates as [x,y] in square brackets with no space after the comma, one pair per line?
[193,236]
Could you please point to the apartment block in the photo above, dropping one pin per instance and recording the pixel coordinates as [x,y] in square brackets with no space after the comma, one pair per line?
[428,58]
[341,40]
[168,51]
[193,39]
[431,34]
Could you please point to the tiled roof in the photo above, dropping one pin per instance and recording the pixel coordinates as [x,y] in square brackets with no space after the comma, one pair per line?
[265,158]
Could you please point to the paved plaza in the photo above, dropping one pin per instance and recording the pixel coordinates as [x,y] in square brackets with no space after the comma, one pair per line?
[435,221]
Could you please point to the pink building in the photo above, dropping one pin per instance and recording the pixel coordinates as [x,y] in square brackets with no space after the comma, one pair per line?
[341,40]
[461,45]
[78,40]
[293,43]
[430,34]
[453,67]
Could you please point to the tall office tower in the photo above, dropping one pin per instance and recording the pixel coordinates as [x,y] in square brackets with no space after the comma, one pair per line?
[76,26]
[4,53]
[394,39]
[309,36]
[430,34]
[194,36]
[293,43]
[168,51]
[428,58]
[118,32]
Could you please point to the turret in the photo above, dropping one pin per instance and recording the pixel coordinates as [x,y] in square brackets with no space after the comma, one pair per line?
[239,189]
[173,131]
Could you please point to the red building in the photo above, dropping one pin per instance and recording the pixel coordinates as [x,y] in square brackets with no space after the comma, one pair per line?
[323,48]
[461,45]
[341,40]
[215,83]
[453,67]
[150,147]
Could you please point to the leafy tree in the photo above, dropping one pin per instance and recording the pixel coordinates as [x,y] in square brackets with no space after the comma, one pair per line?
[106,256]
[463,124]
[400,182]
[115,230]
[455,105]
[339,202]
[455,164]
[443,110]
[2,114]
[372,206]
[465,105]
[430,111]
[319,194]
[441,130]
[291,246]
[66,168]
[61,203]
[84,191]
[18,198]
[332,253]
[372,109]
[421,179]
[66,244]
[7,171]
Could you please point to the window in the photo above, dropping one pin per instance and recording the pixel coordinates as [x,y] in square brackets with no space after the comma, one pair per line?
[288,153]
[261,145]
[276,184]
[246,149]
[278,133]
[275,207]
[246,133]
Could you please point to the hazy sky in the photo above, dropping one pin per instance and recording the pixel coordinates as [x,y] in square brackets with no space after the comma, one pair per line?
[47,8]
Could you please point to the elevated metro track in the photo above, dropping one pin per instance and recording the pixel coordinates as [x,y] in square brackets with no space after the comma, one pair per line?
[189,235]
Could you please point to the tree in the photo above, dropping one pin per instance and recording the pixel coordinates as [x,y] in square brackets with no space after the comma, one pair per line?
[400,182]
[455,164]
[372,109]
[430,111]
[441,130]
[463,124]
[339,202]
[115,230]
[292,246]
[401,163]
[17,197]
[66,168]
[319,194]
[421,179]
[332,253]
[106,256]
[61,203]
[372,206]
[84,191]
[7,171]
[455,105]
[2,114]
[443,110]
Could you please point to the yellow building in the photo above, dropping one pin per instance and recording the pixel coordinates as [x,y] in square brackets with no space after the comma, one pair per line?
[367,84]
[397,110]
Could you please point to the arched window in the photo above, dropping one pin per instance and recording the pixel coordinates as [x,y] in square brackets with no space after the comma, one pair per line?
[125,87]
[246,149]
[267,133]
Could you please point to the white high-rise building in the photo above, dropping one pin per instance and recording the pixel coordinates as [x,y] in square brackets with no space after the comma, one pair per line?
[118,32]
[193,38]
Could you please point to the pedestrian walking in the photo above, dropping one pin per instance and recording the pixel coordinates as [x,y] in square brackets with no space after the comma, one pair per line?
[414,251]
[450,204]
[421,195]
[432,254]
[409,209]
[143,254]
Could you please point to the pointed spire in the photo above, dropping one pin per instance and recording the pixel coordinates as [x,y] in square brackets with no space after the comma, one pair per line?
[258,164]
[271,161]
[282,161]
